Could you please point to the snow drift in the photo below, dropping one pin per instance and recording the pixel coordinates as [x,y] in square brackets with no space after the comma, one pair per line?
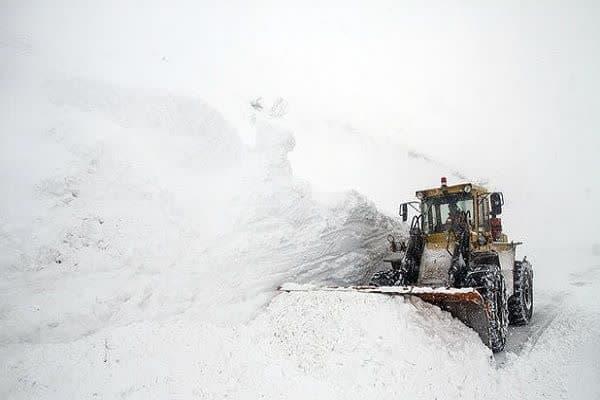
[321,346]
[155,200]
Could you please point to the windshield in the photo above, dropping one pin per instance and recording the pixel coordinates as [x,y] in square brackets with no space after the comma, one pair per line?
[437,211]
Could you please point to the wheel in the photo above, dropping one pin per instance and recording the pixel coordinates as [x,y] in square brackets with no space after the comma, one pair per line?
[388,277]
[520,304]
[499,320]
[490,283]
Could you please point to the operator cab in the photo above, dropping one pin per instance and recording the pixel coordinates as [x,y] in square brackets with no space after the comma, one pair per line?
[465,204]
[439,213]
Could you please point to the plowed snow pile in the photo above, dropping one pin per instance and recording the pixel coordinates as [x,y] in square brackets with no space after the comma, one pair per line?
[318,345]
[122,205]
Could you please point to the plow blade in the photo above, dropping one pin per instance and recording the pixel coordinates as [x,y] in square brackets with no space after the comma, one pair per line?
[466,304]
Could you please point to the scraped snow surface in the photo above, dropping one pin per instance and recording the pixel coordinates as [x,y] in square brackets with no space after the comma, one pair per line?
[142,242]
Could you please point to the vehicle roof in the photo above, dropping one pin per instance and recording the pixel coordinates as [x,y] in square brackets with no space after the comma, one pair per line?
[452,189]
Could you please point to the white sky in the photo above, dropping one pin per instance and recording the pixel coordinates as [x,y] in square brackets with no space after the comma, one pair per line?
[507,91]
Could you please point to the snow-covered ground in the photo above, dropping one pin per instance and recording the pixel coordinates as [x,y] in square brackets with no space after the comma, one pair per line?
[143,243]
[144,232]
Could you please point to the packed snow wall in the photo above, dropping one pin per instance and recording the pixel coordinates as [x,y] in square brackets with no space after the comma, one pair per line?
[124,204]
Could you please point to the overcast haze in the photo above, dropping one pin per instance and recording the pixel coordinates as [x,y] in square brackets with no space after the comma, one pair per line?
[384,98]
[506,94]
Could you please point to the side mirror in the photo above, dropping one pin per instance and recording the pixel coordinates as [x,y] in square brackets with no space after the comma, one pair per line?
[404,212]
[496,202]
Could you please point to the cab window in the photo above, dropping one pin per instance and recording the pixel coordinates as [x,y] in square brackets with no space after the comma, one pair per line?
[437,212]
[483,205]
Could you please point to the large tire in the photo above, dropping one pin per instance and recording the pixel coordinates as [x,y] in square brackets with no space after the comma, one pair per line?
[520,304]
[390,277]
[490,283]
[499,322]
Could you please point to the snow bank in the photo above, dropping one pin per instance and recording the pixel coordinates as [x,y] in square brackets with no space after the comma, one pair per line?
[124,205]
[322,345]
[325,346]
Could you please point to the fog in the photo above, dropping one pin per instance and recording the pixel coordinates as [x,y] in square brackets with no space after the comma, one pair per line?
[150,213]
[505,94]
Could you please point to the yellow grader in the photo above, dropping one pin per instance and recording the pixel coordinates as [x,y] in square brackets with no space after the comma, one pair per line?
[457,257]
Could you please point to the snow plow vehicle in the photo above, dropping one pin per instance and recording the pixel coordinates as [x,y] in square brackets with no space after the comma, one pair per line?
[457,257]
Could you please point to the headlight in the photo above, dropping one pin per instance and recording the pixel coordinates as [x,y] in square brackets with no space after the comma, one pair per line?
[420,195]
[467,188]
[481,239]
